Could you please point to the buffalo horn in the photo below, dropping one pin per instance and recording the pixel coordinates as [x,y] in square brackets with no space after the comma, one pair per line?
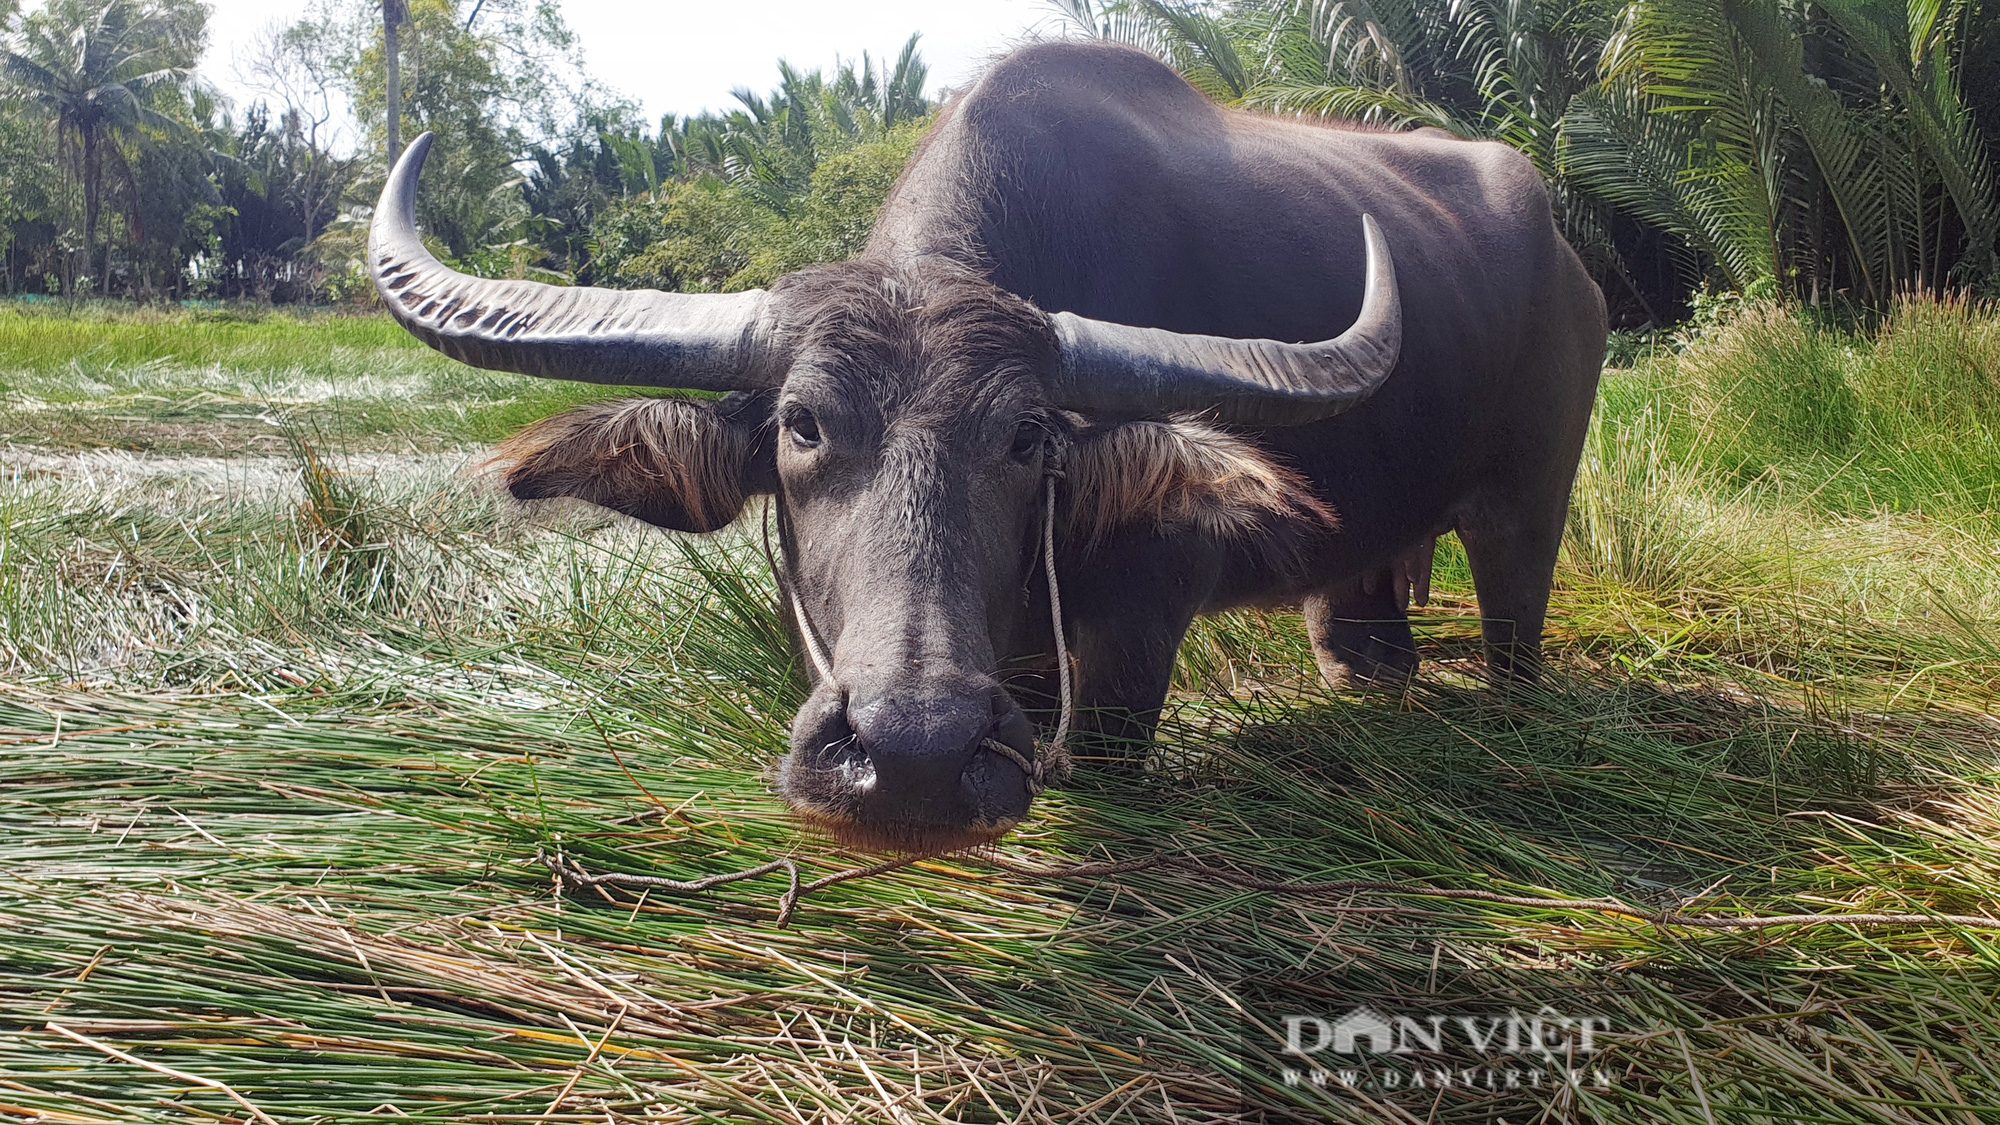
[711,342]
[1119,369]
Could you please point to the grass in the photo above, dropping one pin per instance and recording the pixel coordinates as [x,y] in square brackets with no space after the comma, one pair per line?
[214,383]
[285,726]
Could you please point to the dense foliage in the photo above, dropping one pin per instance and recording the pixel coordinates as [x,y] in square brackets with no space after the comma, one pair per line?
[1839,148]
[733,200]
[109,80]
[1823,151]
[120,174]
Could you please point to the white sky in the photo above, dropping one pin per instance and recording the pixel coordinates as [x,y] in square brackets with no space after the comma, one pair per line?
[684,56]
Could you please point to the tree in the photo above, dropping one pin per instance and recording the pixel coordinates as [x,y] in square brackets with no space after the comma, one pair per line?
[573,181]
[491,89]
[31,198]
[394,14]
[791,179]
[282,189]
[95,67]
[174,211]
[292,161]
[772,145]
[1800,148]
[703,234]
[1813,149]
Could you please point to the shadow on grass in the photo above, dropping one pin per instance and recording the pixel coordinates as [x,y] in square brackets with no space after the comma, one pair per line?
[1706,799]
[1581,788]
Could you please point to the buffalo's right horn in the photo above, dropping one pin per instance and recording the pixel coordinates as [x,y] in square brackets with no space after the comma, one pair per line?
[1121,369]
[641,337]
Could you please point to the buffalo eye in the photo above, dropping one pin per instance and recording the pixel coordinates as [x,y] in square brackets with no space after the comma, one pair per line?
[803,427]
[1028,438]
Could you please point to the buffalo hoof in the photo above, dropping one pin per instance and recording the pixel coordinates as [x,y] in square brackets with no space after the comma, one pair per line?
[1367,663]
[1362,641]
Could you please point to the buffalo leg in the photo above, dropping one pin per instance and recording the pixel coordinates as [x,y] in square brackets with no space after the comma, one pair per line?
[1125,624]
[1361,635]
[1513,557]
[1122,680]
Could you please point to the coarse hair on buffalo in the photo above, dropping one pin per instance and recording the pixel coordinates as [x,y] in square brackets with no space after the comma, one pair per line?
[863,319]
[675,463]
[1183,475]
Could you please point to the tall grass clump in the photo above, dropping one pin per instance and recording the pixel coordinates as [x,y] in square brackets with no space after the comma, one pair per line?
[1934,371]
[1642,518]
[1779,382]
[1904,420]
[1932,385]
[1774,482]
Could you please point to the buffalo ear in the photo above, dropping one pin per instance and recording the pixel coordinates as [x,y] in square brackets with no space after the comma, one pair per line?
[676,463]
[1181,475]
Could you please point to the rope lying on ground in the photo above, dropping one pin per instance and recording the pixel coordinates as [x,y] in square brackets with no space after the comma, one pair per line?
[568,874]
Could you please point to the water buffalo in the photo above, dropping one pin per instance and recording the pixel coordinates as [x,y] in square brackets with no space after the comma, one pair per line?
[1089,274]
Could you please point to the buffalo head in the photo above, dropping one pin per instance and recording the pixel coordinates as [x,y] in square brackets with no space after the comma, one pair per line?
[906,416]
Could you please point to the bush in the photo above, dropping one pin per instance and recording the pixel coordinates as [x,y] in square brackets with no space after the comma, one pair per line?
[689,236]
[706,235]
[1906,420]
[1643,518]
[1935,369]
[1782,380]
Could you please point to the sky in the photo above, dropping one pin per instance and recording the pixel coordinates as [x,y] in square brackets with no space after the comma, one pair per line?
[684,56]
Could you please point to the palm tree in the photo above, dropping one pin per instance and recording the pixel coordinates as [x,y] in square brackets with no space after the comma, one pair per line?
[395,13]
[879,101]
[1800,148]
[771,145]
[94,66]
[1819,148]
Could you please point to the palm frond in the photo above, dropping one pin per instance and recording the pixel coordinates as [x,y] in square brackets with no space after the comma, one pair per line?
[1617,143]
[1849,155]
[1382,108]
[1200,45]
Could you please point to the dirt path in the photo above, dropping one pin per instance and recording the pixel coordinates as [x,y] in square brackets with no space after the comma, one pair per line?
[241,476]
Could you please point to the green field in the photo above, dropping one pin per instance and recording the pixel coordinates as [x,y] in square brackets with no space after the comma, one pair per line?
[293,709]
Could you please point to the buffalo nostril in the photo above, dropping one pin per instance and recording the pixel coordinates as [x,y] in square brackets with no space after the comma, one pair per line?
[826,743]
[913,758]
[846,760]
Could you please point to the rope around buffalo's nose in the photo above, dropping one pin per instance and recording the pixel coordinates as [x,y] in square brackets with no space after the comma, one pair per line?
[1052,759]
[807,633]
[811,636]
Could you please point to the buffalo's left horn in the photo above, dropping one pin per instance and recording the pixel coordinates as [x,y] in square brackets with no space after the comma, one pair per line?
[1118,369]
[641,337]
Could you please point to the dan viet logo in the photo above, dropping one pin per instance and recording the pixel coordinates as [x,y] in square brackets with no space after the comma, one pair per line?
[1368,1050]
